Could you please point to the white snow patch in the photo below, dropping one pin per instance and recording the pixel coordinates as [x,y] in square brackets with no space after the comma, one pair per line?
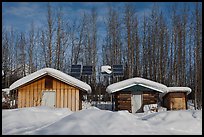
[150,107]
[6,90]
[23,120]
[93,121]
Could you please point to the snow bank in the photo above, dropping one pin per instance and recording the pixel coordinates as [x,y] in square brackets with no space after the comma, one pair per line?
[136,81]
[177,122]
[56,74]
[93,121]
[23,120]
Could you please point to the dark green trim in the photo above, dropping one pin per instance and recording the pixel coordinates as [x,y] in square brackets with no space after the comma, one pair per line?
[137,88]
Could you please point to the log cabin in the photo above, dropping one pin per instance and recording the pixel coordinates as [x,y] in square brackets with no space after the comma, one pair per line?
[175,98]
[49,87]
[132,94]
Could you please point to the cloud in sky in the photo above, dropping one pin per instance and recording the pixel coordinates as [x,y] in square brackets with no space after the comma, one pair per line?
[20,14]
[26,12]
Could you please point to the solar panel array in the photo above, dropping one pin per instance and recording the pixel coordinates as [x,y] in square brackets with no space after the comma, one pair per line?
[117,70]
[76,71]
[87,70]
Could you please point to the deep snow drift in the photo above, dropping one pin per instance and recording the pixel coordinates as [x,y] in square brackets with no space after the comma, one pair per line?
[44,120]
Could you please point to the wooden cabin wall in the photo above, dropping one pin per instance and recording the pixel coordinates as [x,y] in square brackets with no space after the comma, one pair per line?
[66,96]
[31,94]
[150,97]
[175,101]
[123,101]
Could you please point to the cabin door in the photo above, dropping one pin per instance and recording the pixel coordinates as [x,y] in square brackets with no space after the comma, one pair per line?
[136,101]
[48,98]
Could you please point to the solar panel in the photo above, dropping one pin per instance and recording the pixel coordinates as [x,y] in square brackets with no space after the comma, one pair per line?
[76,71]
[117,70]
[87,70]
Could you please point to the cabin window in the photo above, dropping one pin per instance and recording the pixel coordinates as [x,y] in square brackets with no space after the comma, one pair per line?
[48,83]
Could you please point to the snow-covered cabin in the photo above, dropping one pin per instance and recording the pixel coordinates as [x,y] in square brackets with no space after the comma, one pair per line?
[49,87]
[132,94]
[175,98]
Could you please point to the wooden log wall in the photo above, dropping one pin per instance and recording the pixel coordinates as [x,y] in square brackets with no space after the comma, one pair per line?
[123,101]
[150,97]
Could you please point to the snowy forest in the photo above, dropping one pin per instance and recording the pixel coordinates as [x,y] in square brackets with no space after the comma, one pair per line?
[163,46]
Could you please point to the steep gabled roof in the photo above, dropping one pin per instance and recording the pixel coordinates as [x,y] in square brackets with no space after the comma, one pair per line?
[136,81]
[54,73]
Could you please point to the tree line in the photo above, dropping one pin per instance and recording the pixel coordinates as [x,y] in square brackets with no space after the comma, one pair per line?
[163,46]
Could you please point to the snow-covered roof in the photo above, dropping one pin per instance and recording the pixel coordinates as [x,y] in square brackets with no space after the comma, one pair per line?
[54,73]
[181,89]
[136,81]
[176,89]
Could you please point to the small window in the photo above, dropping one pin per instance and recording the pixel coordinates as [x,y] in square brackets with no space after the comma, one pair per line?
[48,83]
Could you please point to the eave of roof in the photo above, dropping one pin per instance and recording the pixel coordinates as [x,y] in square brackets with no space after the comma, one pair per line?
[136,81]
[54,73]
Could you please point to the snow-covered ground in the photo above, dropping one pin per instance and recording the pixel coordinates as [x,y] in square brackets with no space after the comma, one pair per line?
[91,120]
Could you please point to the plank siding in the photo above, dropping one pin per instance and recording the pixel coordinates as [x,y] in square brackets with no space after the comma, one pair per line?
[67,96]
[27,96]
[55,89]
[175,101]
[35,89]
[39,93]
[61,95]
[23,99]
[31,95]
[70,98]
[58,94]
[77,100]
[73,99]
